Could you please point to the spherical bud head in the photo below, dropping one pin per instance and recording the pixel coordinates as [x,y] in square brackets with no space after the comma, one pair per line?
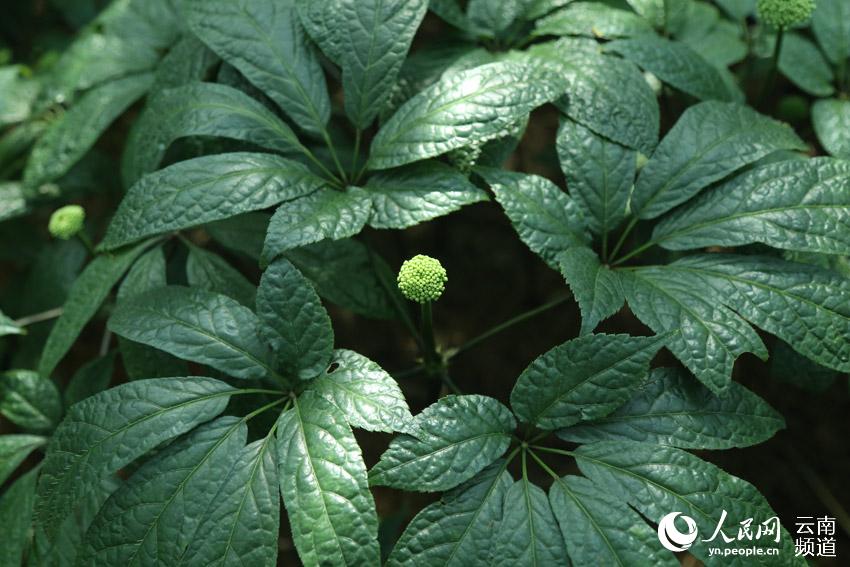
[422,279]
[785,13]
[67,221]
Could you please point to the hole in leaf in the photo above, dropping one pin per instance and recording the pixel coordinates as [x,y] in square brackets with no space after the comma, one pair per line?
[332,368]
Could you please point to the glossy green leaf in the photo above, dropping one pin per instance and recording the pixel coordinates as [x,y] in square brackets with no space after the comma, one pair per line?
[405,197]
[9,327]
[29,400]
[805,66]
[264,40]
[346,272]
[156,514]
[243,233]
[607,94]
[16,506]
[91,378]
[454,439]
[189,61]
[201,109]
[320,19]
[376,35]
[324,214]
[324,485]
[241,524]
[791,367]
[584,378]
[458,529]
[205,189]
[210,271]
[593,20]
[595,286]
[19,92]
[365,394]
[660,480]
[831,24]
[544,216]
[112,429]
[674,63]
[87,294]
[831,119]
[141,361]
[600,174]
[722,46]
[601,530]
[469,107]
[528,533]
[294,321]
[710,336]
[710,141]
[12,200]
[673,409]
[14,449]
[806,306]
[491,18]
[68,138]
[196,325]
[794,205]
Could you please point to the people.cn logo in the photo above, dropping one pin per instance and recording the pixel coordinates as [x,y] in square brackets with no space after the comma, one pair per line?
[670,536]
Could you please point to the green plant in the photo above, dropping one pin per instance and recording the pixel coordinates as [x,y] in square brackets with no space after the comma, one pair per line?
[168,388]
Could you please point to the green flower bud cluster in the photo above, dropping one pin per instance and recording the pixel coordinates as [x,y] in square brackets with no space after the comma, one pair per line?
[785,13]
[422,279]
[67,221]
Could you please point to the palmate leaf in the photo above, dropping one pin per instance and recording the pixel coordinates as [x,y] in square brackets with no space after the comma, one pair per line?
[675,63]
[672,409]
[802,62]
[463,108]
[601,530]
[14,449]
[264,40]
[600,174]
[87,294]
[196,325]
[528,533]
[16,505]
[709,141]
[794,205]
[593,20]
[831,119]
[452,440]
[324,214]
[110,430]
[294,321]
[156,514]
[30,400]
[582,379]
[710,336]
[659,480]
[201,109]
[68,139]
[595,286]
[831,24]
[366,394]
[210,271]
[420,192]
[544,216]
[324,485]
[457,530]
[206,189]
[806,306]
[604,93]
[376,35]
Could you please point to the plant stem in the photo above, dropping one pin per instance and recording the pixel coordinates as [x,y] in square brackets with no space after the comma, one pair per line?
[332,149]
[357,138]
[257,391]
[605,246]
[635,252]
[622,239]
[774,66]
[39,317]
[544,466]
[553,450]
[84,238]
[321,166]
[510,323]
[258,411]
[427,324]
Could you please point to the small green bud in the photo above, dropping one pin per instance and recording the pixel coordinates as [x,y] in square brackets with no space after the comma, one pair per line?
[785,13]
[67,221]
[422,279]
